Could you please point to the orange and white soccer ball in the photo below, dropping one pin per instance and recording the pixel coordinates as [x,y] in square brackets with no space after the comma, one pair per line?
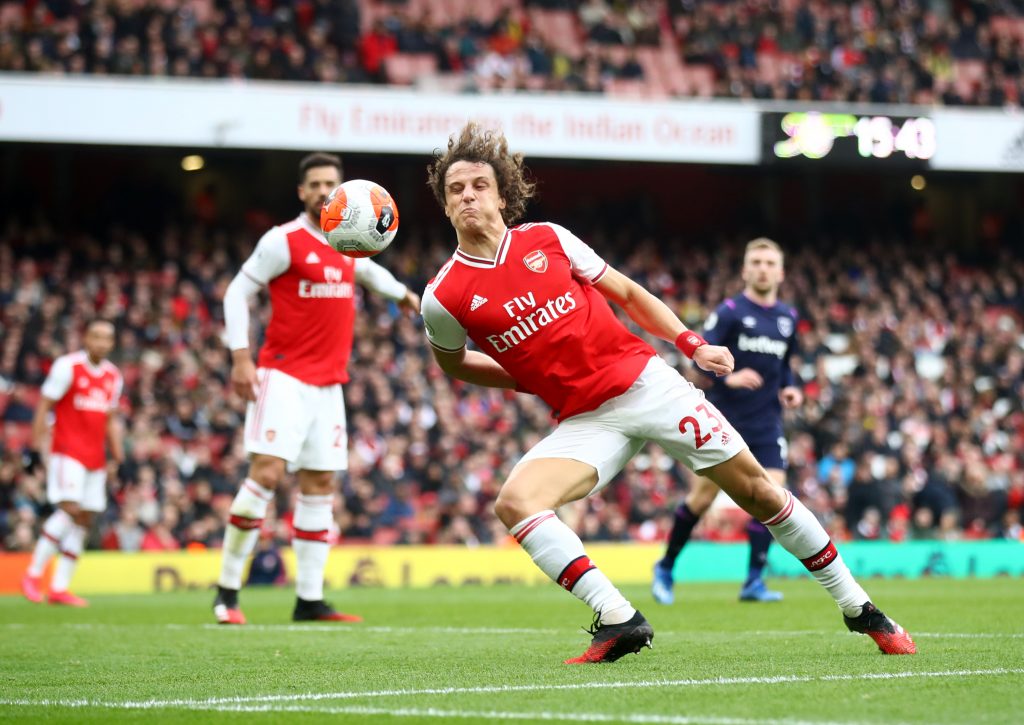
[359,218]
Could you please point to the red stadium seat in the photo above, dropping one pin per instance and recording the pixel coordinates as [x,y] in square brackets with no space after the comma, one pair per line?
[1001,26]
[626,88]
[967,74]
[403,69]
[702,80]
[635,88]
[559,29]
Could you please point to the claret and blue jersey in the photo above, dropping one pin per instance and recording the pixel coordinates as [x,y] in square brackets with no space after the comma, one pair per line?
[763,339]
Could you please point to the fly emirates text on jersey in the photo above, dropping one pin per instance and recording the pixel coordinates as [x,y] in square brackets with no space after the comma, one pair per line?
[333,286]
[527,322]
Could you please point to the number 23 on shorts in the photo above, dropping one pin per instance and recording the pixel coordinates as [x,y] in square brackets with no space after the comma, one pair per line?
[712,421]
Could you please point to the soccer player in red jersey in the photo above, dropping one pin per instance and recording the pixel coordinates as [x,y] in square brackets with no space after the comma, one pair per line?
[534,299]
[82,390]
[295,419]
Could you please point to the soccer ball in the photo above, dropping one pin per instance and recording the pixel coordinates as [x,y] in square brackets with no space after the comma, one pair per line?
[359,218]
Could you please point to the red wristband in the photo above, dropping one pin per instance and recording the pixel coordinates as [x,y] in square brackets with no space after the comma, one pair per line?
[688,342]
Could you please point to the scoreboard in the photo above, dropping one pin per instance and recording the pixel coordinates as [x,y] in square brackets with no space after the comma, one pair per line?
[846,139]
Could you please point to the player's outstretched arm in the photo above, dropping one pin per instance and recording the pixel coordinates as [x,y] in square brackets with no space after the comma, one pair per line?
[643,308]
[474,367]
[375,277]
[655,317]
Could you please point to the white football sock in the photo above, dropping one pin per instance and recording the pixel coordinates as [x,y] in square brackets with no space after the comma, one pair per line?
[54,530]
[558,551]
[243,530]
[312,522]
[70,549]
[799,533]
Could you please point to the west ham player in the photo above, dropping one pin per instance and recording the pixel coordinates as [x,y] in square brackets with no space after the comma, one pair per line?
[761,332]
[82,390]
[295,419]
[534,300]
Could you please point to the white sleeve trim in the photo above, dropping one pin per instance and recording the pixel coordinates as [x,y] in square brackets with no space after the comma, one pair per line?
[378,279]
[443,331]
[270,258]
[586,263]
[58,382]
[236,309]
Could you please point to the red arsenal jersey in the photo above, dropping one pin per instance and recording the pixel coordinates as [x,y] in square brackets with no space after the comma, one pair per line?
[312,305]
[534,310]
[84,394]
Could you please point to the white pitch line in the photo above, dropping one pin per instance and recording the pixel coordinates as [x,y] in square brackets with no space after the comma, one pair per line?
[375,629]
[491,715]
[346,628]
[488,689]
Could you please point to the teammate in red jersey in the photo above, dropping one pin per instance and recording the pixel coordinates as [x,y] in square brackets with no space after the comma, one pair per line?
[534,300]
[295,418]
[82,390]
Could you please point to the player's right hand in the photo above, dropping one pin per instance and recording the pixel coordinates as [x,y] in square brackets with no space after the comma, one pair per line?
[243,378]
[747,379]
[714,358]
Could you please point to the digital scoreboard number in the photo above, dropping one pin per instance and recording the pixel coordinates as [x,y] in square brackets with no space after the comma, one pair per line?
[845,138]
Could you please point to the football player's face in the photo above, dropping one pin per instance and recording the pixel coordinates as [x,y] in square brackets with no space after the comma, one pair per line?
[99,340]
[471,196]
[319,182]
[762,270]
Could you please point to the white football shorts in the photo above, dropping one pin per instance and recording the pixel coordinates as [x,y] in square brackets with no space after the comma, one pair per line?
[661,407]
[67,480]
[300,423]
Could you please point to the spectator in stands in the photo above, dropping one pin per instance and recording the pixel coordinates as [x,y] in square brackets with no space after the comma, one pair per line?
[869,51]
[933,413]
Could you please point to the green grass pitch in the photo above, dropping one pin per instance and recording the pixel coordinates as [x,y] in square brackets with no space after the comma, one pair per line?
[495,654]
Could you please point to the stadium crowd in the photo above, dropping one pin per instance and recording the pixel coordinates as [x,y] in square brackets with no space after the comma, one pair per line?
[912,428]
[885,51]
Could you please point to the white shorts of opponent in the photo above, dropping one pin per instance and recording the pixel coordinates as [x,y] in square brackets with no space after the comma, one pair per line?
[68,481]
[302,424]
[661,407]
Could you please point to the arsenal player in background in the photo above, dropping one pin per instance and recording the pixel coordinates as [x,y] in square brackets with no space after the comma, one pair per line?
[534,299]
[295,418]
[82,390]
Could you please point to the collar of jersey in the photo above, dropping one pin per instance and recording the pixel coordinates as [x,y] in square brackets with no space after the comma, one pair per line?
[499,257]
[755,303]
[96,369]
[303,220]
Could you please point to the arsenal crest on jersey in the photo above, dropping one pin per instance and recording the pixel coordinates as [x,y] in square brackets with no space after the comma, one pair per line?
[536,261]
[785,326]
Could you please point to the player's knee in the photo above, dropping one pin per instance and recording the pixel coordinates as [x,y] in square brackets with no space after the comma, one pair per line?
[511,509]
[72,509]
[766,498]
[316,483]
[267,471]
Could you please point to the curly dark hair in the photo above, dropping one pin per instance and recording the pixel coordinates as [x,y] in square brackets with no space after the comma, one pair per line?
[479,145]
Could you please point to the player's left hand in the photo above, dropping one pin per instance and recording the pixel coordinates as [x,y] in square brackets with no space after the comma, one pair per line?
[410,303]
[791,397]
[714,358]
[31,461]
